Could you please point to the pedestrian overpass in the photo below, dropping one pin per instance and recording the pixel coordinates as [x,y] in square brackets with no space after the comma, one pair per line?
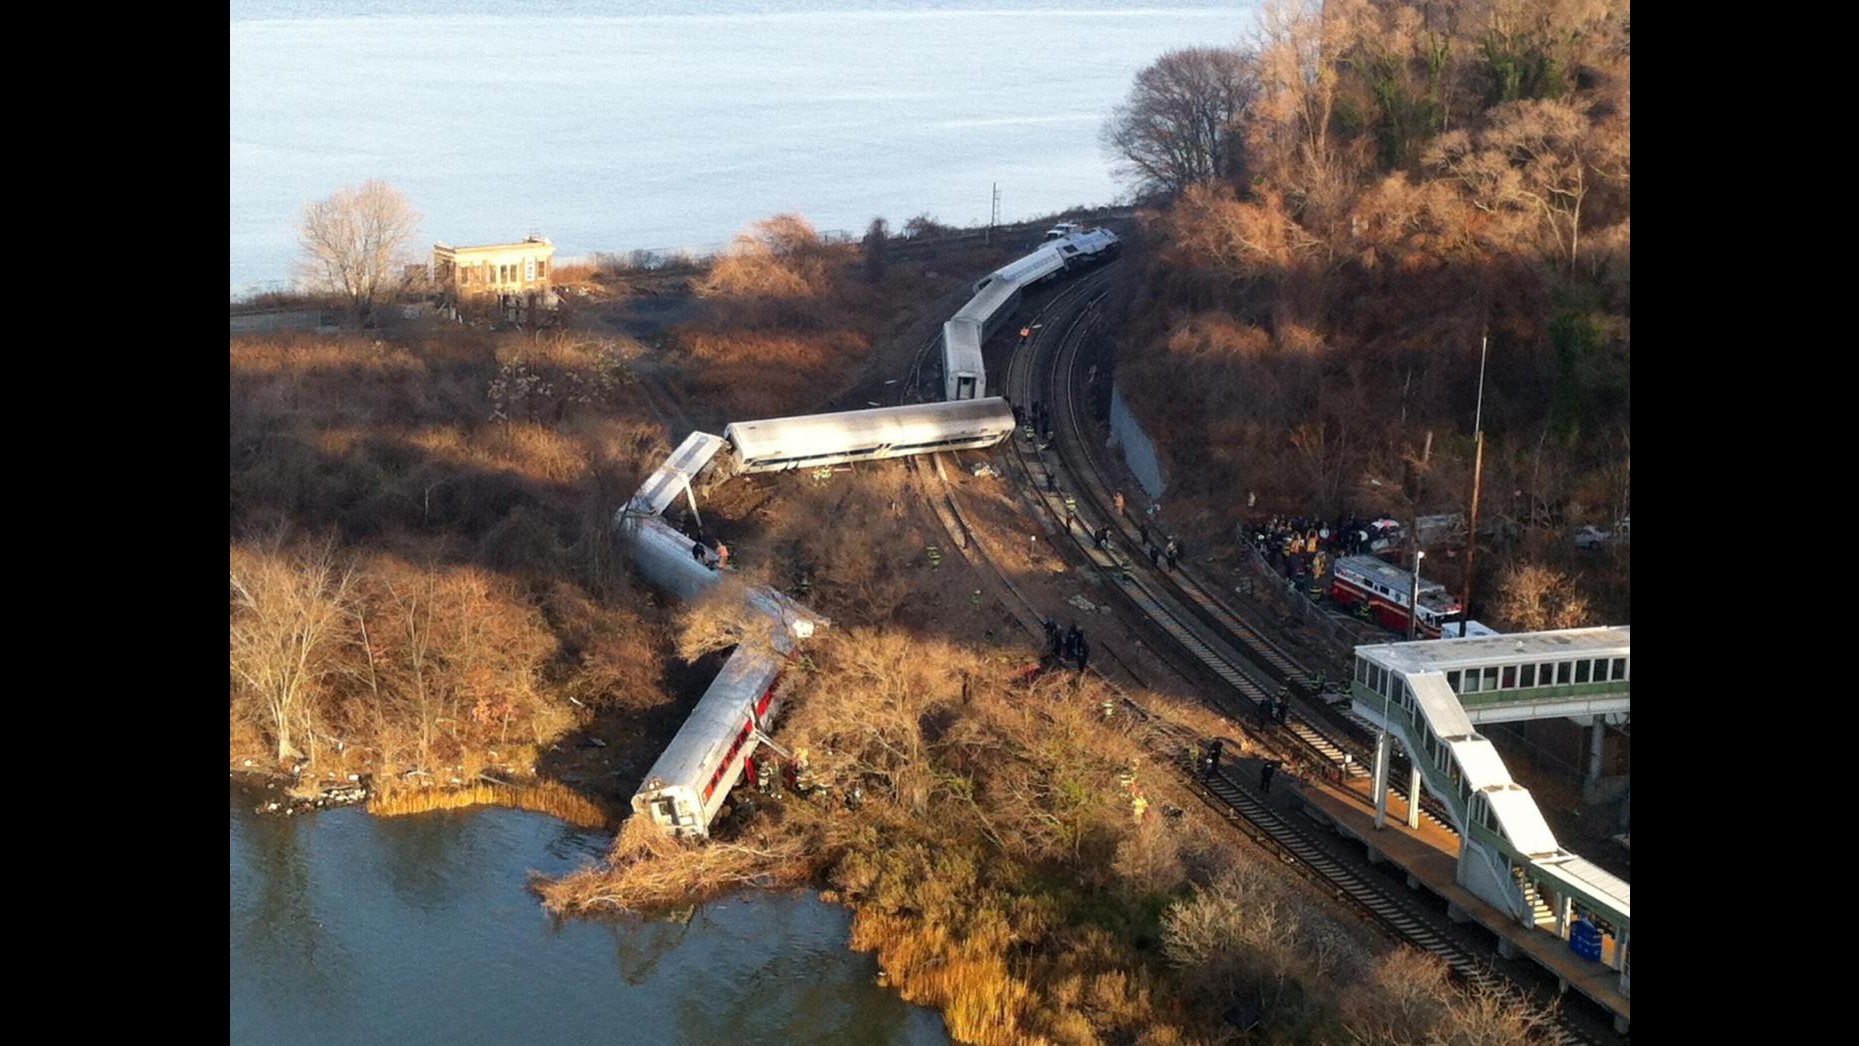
[1430,696]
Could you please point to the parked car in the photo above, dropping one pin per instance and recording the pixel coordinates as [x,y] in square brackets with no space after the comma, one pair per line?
[1591,537]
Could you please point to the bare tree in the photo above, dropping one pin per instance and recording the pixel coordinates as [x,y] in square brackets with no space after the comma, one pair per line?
[286,611]
[1534,165]
[355,244]
[778,257]
[1178,127]
[1533,598]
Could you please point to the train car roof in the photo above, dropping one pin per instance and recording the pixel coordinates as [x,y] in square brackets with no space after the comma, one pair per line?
[1031,267]
[1516,648]
[718,717]
[663,486]
[815,434]
[962,342]
[1094,238]
[988,301]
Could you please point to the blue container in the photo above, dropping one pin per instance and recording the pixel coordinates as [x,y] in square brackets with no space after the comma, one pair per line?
[1585,940]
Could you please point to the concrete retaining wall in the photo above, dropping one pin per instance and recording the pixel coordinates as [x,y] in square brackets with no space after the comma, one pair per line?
[1139,451]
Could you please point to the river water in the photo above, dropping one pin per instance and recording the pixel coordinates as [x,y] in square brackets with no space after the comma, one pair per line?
[615,125]
[410,930]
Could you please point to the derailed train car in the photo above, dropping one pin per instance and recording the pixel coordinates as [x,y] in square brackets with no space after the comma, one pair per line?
[664,558]
[813,440]
[997,298]
[687,785]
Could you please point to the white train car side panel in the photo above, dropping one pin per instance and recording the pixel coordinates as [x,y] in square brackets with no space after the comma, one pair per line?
[866,435]
[687,785]
[664,558]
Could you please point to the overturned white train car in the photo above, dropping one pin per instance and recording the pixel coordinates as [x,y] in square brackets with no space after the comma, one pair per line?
[687,785]
[670,562]
[866,435]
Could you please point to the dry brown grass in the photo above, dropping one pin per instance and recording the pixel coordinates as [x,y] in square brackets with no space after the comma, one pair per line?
[647,869]
[545,797]
[468,481]
[995,869]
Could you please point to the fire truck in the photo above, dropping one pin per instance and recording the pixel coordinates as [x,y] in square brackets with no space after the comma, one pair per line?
[1384,589]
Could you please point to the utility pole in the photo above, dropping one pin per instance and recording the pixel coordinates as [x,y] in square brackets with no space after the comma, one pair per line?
[1413,598]
[994,212]
[1478,469]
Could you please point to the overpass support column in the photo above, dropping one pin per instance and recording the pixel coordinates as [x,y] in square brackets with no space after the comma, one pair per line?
[1597,742]
[1382,746]
[1413,791]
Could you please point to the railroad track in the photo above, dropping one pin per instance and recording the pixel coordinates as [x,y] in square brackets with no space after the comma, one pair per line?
[1321,742]
[1290,842]
[1219,638]
[1183,606]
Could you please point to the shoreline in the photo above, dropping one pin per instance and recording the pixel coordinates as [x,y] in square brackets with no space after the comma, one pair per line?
[279,794]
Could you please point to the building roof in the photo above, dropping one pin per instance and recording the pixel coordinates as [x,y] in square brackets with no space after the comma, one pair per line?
[1515,648]
[531,242]
[1584,873]
[1520,820]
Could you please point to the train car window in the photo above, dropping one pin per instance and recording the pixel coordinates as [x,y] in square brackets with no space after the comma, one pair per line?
[1562,673]
[1452,680]
[1362,670]
[1471,682]
[1581,670]
[1510,677]
[1491,677]
[1620,668]
[1529,676]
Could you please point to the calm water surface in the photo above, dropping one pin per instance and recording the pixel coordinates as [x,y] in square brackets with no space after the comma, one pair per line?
[352,929]
[633,124]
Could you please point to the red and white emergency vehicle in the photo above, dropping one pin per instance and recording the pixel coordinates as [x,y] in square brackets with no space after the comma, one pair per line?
[1384,587]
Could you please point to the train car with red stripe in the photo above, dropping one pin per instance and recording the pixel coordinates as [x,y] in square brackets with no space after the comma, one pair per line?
[1385,588]
[688,784]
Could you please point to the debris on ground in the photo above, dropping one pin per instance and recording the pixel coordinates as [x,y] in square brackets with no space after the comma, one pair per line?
[982,468]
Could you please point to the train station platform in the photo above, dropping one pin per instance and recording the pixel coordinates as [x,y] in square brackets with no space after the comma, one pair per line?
[1430,857]
[1575,673]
